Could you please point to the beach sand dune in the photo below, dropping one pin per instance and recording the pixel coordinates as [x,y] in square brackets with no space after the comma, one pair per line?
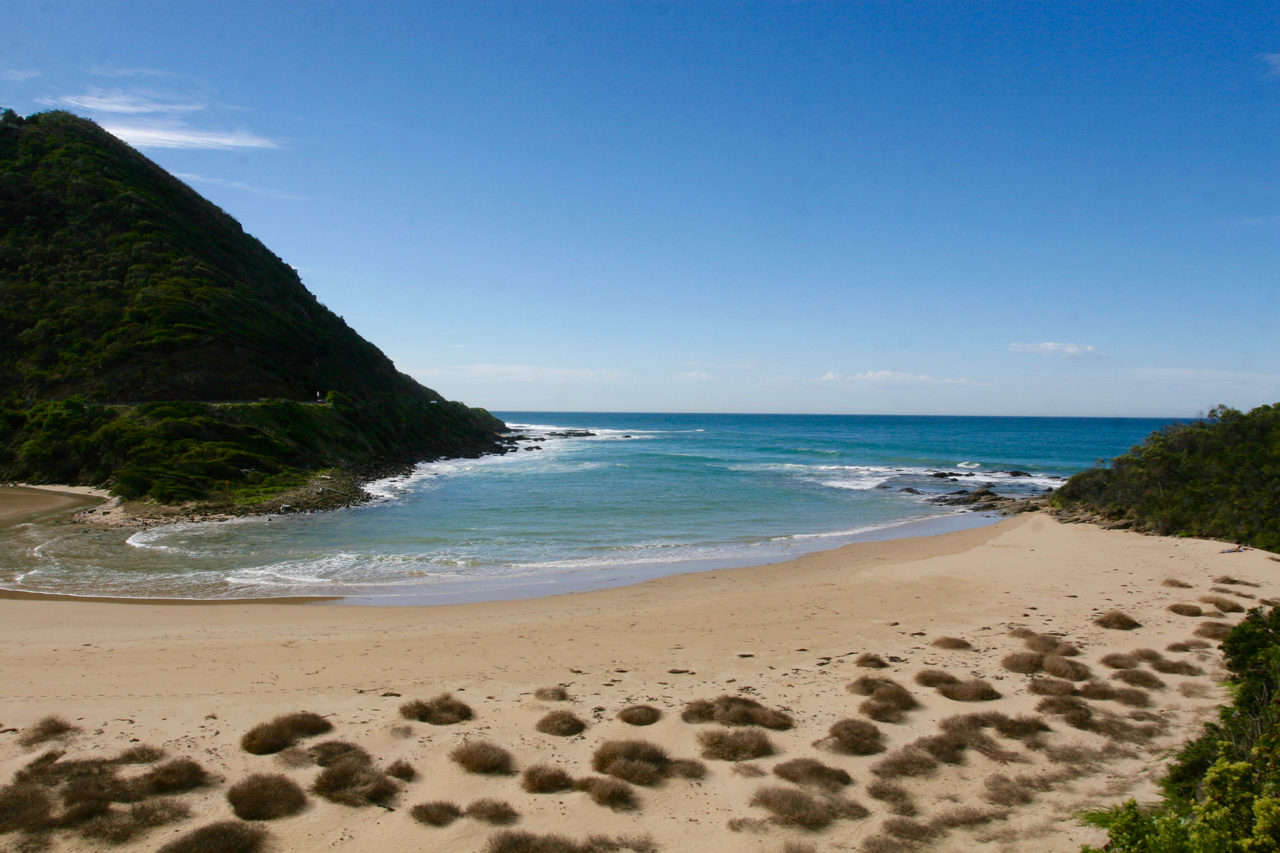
[1051,736]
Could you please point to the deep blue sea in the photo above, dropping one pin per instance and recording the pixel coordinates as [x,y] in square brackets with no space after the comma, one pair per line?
[644,495]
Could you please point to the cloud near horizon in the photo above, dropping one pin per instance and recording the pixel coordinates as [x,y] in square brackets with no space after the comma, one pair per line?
[1060,350]
[524,373]
[892,376]
[14,76]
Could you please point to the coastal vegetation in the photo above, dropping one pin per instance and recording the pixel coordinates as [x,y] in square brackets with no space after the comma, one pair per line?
[1222,790]
[149,344]
[1218,478]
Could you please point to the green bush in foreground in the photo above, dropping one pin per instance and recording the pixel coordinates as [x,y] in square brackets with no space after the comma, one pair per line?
[1222,793]
[1218,478]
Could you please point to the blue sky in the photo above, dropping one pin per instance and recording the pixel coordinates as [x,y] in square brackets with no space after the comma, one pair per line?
[895,207]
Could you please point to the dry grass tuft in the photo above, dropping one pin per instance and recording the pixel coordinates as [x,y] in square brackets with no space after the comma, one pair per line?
[854,737]
[865,685]
[1101,690]
[1194,690]
[637,761]
[1148,655]
[402,770]
[228,836]
[551,694]
[887,844]
[1075,712]
[723,745]
[265,796]
[561,724]
[871,661]
[545,779]
[1175,583]
[686,768]
[961,816]
[896,797]
[330,752]
[736,711]
[889,703]
[1117,621]
[1027,663]
[174,776]
[811,772]
[973,690]
[1213,630]
[443,710]
[947,748]
[1176,667]
[438,813]
[492,811]
[47,729]
[1187,646]
[24,807]
[1185,609]
[144,754]
[908,829]
[1226,605]
[481,756]
[1050,687]
[935,678]
[121,827]
[1121,660]
[748,771]
[1001,790]
[907,761]
[640,715]
[1139,678]
[798,847]
[515,841]
[1230,581]
[1047,644]
[605,791]
[354,782]
[1238,593]
[283,732]
[1061,667]
[789,807]
[952,643]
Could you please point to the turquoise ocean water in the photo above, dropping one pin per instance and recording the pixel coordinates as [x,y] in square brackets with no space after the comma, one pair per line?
[644,495]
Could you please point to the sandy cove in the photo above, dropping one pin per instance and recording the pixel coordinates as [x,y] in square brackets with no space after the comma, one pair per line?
[193,679]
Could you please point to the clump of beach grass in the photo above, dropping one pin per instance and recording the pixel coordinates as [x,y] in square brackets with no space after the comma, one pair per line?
[1213,630]
[496,812]
[888,702]
[1188,646]
[561,724]
[1185,609]
[1117,621]
[934,678]
[1048,644]
[1226,605]
[640,715]
[789,807]
[1027,663]
[871,661]
[122,827]
[610,792]
[443,710]
[402,770]
[44,730]
[1121,660]
[481,756]
[1100,690]
[813,773]
[973,690]
[264,796]
[946,748]
[436,813]
[141,754]
[742,745]
[1238,593]
[1071,670]
[1176,667]
[1139,678]
[907,761]
[854,737]
[228,836]
[331,752]
[1050,687]
[545,779]
[736,711]
[896,797]
[174,776]
[1232,581]
[643,763]
[908,829]
[551,694]
[24,807]
[283,732]
[952,644]
[1175,583]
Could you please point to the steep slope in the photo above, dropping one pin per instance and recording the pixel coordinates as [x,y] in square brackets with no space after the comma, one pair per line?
[120,284]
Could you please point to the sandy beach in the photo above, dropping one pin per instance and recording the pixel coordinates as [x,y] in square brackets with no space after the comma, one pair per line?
[194,679]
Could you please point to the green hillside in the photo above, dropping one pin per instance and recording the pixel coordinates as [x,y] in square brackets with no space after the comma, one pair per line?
[1218,478]
[132,311]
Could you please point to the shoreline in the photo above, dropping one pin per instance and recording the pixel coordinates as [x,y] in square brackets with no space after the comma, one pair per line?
[788,635]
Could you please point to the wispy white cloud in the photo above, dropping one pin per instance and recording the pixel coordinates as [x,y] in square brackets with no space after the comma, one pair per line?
[103,71]
[15,76]
[235,185]
[1060,350]
[525,373]
[181,135]
[1272,61]
[120,102]
[893,377]
[693,375]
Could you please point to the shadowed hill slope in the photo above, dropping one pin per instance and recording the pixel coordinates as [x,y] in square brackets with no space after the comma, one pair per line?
[120,284]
